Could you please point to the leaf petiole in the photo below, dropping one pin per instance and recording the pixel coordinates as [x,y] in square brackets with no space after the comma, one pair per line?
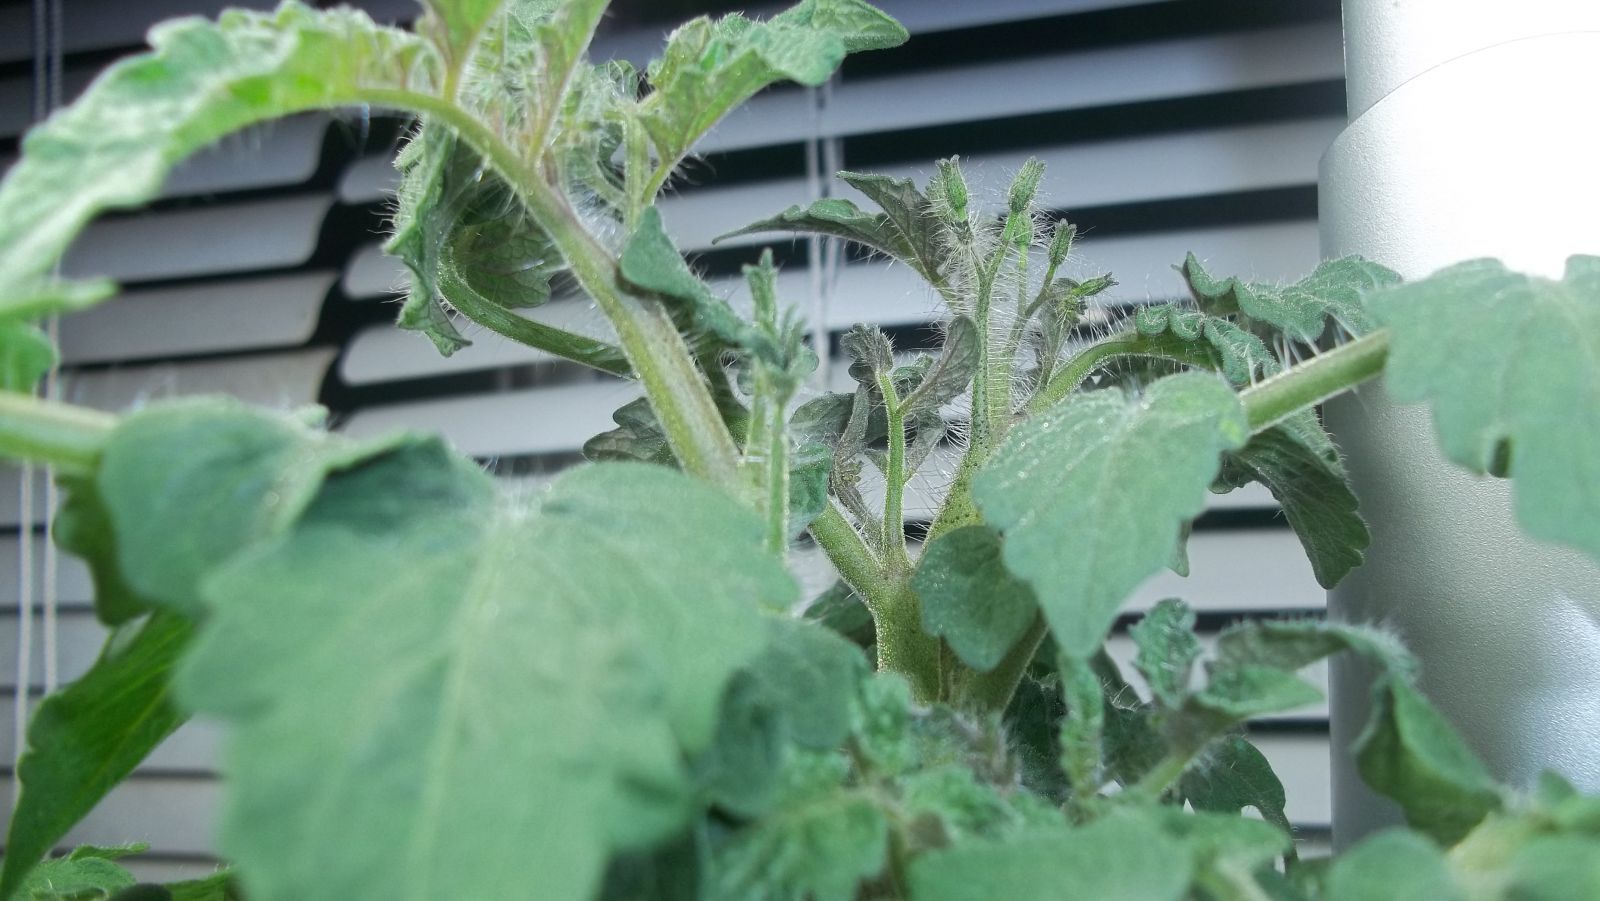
[1314,381]
[42,431]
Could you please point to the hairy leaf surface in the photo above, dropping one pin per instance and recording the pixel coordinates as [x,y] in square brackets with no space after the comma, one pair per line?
[1315,494]
[548,663]
[1168,649]
[709,67]
[651,261]
[89,736]
[1503,358]
[1124,475]
[85,874]
[1410,753]
[188,485]
[1234,775]
[1301,311]
[970,599]
[817,844]
[113,148]
[1240,356]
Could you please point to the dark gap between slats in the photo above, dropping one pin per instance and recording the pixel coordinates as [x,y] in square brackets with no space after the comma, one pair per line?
[1167,115]
[1076,32]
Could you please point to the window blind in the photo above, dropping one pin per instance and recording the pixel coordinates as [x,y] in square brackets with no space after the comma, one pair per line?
[1167,127]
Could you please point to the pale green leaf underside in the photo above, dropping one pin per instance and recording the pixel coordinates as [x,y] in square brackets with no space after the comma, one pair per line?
[547,665]
[113,148]
[1315,495]
[1503,357]
[188,485]
[1124,474]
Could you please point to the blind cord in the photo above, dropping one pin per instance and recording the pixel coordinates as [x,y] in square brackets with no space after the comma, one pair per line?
[47,97]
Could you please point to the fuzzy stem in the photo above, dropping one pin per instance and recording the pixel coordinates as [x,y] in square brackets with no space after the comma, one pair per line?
[894,472]
[1123,344]
[903,647]
[1314,381]
[848,552]
[993,690]
[650,339]
[67,437]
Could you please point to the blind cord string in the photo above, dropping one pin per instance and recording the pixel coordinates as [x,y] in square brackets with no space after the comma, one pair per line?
[47,96]
[821,163]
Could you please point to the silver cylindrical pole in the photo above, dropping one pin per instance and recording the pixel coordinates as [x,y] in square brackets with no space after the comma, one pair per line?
[1472,134]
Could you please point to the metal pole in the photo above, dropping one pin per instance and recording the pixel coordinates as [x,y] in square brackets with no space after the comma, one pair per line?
[1471,134]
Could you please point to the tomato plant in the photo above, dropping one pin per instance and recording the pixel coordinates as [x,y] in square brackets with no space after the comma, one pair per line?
[438,688]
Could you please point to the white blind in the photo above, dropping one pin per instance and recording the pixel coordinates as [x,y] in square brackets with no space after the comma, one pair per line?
[1167,127]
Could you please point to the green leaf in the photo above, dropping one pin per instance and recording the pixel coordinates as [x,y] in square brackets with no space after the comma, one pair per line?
[87,737]
[1315,495]
[26,353]
[909,214]
[1226,843]
[75,877]
[1409,752]
[1125,474]
[710,67]
[1555,868]
[838,218]
[861,26]
[1168,649]
[1390,866]
[818,846]
[948,804]
[113,147]
[811,677]
[1114,858]
[219,886]
[810,466]
[1507,358]
[870,353]
[459,229]
[950,373]
[1240,356]
[652,263]
[190,484]
[82,527]
[1234,775]
[970,599]
[1292,645]
[738,772]
[1237,693]
[638,437]
[456,24]
[841,610]
[1301,311]
[549,664]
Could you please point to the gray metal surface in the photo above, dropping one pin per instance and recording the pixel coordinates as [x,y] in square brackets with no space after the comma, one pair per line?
[1474,142]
